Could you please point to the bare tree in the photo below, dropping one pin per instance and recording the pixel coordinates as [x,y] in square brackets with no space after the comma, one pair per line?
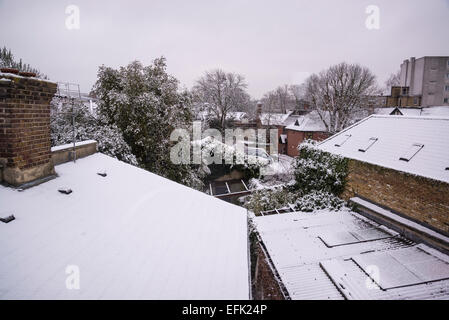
[221,92]
[278,100]
[298,92]
[340,92]
[393,80]
[284,98]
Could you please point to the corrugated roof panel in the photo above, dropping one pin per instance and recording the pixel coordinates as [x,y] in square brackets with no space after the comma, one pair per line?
[300,257]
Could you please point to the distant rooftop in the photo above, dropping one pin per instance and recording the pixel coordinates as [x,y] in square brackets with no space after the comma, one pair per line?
[131,233]
[310,122]
[276,119]
[437,111]
[416,145]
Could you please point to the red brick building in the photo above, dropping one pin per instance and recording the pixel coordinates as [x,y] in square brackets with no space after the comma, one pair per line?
[309,126]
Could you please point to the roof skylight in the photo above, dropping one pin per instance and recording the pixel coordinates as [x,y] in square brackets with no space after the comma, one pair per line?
[411,152]
[343,140]
[368,145]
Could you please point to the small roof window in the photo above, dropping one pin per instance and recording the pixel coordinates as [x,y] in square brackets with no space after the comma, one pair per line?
[411,152]
[368,145]
[343,140]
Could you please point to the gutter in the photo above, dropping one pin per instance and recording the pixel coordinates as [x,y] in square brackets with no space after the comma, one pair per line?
[274,272]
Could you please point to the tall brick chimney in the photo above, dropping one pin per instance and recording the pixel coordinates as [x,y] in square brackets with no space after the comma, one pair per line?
[25,153]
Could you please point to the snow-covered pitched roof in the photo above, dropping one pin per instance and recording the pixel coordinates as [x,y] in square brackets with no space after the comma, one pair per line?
[423,141]
[132,234]
[310,122]
[338,255]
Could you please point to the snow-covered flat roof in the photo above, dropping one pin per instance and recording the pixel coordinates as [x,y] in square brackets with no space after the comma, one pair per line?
[437,111]
[131,234]
[343,255]
[421,142]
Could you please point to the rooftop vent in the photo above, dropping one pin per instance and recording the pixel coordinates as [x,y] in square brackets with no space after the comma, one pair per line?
[343,140]
[370,142]
[65,190]
[102,173]
[7,219]
[411,152]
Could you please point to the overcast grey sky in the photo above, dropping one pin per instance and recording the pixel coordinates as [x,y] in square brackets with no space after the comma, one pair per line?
[270,42]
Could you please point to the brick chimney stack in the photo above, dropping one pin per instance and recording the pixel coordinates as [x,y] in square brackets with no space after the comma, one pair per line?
[25,149]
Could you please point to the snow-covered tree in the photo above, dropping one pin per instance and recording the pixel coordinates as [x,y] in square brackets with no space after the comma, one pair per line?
[393,80]
[340,92]
[320,178]
[87,126]
[145,103]
[316,170]
[221,92]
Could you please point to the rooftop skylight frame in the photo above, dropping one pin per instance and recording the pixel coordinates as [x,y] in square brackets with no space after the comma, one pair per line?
[343,140]
[411,152]
[370,142]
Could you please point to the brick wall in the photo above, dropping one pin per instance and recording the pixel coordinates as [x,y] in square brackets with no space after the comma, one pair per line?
[295,138]
[424,200]
[25,128]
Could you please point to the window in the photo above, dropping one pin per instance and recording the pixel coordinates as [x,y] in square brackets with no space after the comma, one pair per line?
[309,135]
[411,152]
[446,88]
[446,100]
[447,75]
[368,145]
[343,140]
